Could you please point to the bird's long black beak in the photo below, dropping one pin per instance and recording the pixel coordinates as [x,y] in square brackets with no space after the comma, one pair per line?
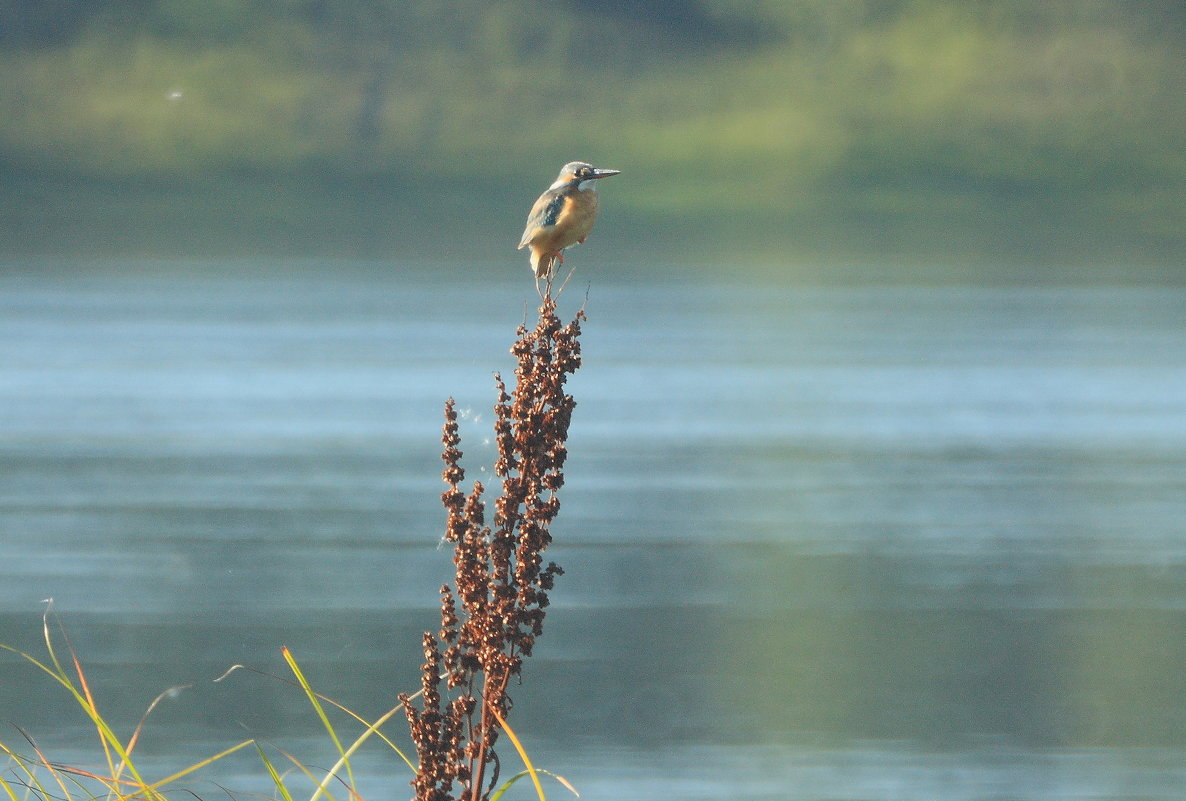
[604,173]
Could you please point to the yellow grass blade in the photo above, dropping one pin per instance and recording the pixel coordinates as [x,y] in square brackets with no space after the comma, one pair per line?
[209,760]
[522,754]
[531,770]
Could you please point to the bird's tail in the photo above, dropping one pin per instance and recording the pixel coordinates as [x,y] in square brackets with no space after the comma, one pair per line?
[543,264]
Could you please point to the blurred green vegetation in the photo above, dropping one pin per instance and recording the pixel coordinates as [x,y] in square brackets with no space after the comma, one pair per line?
[849,658]
[751,131]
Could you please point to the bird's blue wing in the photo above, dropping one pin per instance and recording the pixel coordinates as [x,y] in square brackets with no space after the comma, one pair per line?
[551,212]
[544,214]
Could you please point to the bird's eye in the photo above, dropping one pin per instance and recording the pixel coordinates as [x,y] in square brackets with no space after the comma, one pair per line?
[583,172]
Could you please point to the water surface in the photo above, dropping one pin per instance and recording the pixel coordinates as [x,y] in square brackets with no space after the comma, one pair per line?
[861,542]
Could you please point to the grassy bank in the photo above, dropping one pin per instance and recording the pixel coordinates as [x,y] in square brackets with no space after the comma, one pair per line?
[1014,131]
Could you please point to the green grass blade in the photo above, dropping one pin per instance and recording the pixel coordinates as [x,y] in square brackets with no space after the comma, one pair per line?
[276,779]
[315,701]
[371,728]
[508,784]
[511,781]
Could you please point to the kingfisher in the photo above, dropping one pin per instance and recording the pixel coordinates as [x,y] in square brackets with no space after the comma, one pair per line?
[562,216]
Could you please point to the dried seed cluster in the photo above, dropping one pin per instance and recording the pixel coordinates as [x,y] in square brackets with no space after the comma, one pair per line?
[491,619]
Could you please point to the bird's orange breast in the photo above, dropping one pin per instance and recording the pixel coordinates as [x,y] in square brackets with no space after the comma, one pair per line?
[573,223]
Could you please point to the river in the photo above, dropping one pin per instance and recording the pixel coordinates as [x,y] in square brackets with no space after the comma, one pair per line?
[876,542]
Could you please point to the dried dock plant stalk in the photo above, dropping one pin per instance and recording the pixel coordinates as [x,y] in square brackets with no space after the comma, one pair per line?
[494,613]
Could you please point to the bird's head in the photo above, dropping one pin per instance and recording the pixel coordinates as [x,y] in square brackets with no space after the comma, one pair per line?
[580,173]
